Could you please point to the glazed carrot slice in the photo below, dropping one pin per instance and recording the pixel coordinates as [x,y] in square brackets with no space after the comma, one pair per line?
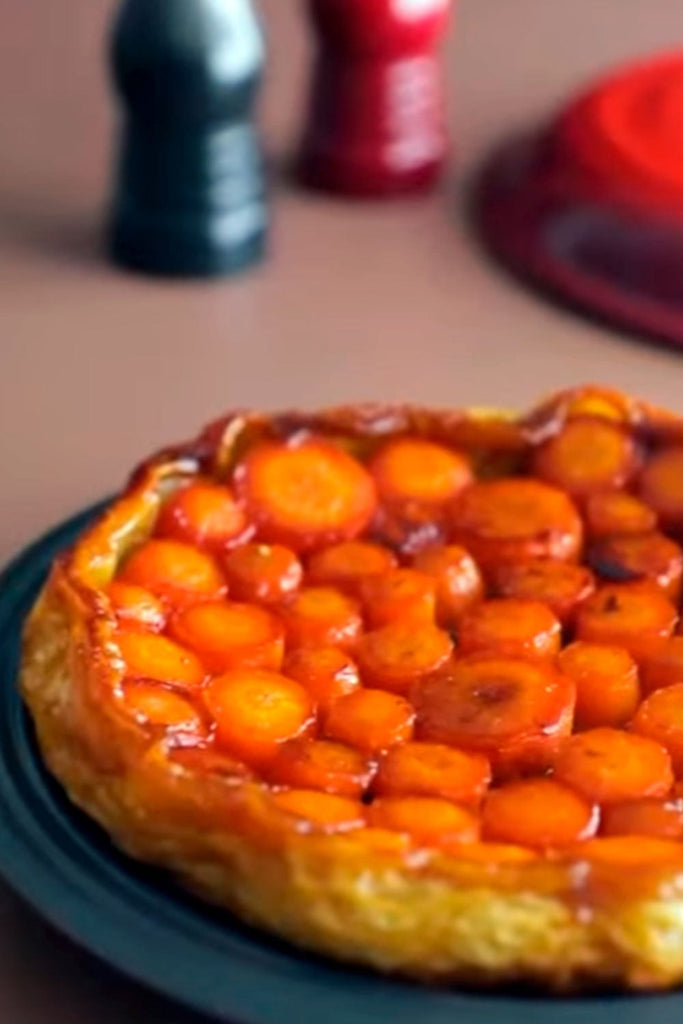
[255,711]
[172,570]
[370,720]
[650,557]
[428,821]
[660,717]
[636,616]
[413,470]
[264,573]
[305,495]
[320,812]
[397,656]
[513,520]
[610,766]
[327,673]
[606,678]
[321,615]
[541,813]
[587,455]
[661,487]
[433,769]
[458,581]
[152,704]
[662,819]
[150,656]
[203,513]
[136,606]
[227,634]
[321,764]
[511,627]
[347,565]
[398,595]
[410,529]
[515,712]
[664,667]
[572,403]
[610,512]
[630,851]
[562,586]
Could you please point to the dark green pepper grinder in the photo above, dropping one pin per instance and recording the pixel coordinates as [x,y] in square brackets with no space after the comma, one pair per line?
[190,191]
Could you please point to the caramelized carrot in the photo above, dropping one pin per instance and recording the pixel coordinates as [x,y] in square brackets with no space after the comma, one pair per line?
[516,712]
[203,513]
[153,704]
[538,812]
[587,455]
[562,586]
[155,657]
[347,565]
[263,573]
[320,812]
[636,616]
[630,851]
[327,673]
[225,635]
[606,678]
[173,571]
[370,720]
[397,656]
[321,764]
[412,470]
[409,529]
[580,402]
[321,615]
[256,711]
[399,594]
[662,819]
[664,667]
[610,512]
[511,627]
[433,769]
[513,520]
[661,487]
[649,557]
[135,606]
[458,581]
[660,717]
[305,495]
[610,766]
[427,820]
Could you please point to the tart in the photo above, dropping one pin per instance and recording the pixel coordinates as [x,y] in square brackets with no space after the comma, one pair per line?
[403,687]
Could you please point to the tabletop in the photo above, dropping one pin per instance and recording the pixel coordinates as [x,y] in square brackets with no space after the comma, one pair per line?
[387,301]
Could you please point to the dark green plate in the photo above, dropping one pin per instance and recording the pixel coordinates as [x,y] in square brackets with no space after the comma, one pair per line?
[135,919]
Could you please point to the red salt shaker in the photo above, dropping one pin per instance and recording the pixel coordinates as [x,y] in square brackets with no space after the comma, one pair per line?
[376,120]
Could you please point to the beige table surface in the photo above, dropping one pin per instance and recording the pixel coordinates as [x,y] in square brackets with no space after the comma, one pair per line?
[356,302]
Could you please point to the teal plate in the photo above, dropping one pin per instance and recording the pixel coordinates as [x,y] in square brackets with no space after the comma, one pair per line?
[138,922]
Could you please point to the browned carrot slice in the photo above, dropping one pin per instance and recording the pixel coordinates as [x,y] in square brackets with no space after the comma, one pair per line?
[640,557]
[606,678]
[611,766]
[226,634]
[347,565]
[203,513]
[399,594]
[513,520]
[410,529]
[662,819]
[630,851]
[661,487]
[327,673]
[155,657]
[572,403]
[172,570]
[371,720]
[433,769]
[636,616]
[136,606]
[610,512]
[397,656]
[538,812]
[266,573]
[458,581]
[322,764]
[413,470]
[320,812]
[587,455]
[562,586]
[516,712]
[321,615]
[153,704]
[427,820]
[511,627]
[660,717]
[305,495]
[664,667]
[256,711]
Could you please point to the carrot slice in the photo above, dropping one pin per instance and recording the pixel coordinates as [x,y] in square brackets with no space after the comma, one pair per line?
[327,673]
[513,520]
[630,851]
[136,606]
[397,656]
[172,570]
[516,712]
[649,557]
[611,766]
[636,616]
[662,819]
[606,678]
[661,487]
[433,769]
[321,764]
[562,586]
[320,812]
[265,573]
[347,565]
[458,581]
[409,529]
[226,634]
[399,594]
[321,615]
[152,704]
[610,512]
[256,711]
[371,720]
[660,717]
[305,495]
[511,627]
[427,820]
[203,513]
[664,667]
[155,657]
[412,470]
[587,455]
[538,812]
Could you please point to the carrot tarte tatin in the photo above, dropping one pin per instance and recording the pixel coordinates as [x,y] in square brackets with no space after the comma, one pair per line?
[401,686]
